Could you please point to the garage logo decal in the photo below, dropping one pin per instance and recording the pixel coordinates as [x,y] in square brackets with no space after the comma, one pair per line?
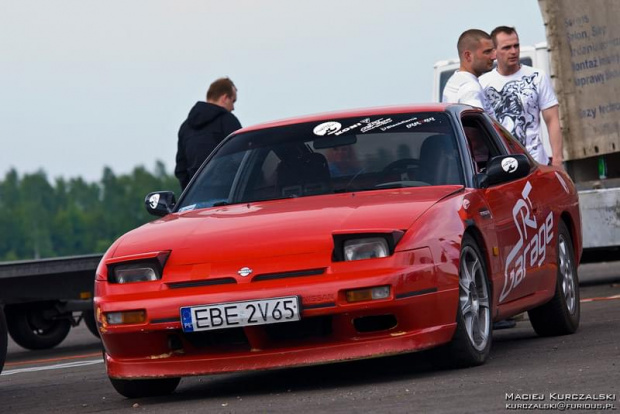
[153,201]
[531,248]
[509,165]
[562,182]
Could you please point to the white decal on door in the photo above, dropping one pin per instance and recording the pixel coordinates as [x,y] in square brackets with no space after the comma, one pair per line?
[532,245]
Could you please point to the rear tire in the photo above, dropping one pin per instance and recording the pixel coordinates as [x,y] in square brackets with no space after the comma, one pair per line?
[560,316]
[145,387]
[32,329]
[471,343]
[3,338]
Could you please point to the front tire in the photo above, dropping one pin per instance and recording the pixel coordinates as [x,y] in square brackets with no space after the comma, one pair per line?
[145,387]
[471,343]
[32,329]
[560,316]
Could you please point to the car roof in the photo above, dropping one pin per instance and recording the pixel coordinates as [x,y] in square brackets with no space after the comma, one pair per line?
[353,113]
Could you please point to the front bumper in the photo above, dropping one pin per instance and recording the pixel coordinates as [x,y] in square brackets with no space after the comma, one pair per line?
[419,314]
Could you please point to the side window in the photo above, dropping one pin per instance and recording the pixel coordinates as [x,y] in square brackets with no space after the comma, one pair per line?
[481,146]
[511,143]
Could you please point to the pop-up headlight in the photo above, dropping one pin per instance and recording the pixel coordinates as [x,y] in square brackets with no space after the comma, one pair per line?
[142,269]
[135,272]
[360,246]
[370,248]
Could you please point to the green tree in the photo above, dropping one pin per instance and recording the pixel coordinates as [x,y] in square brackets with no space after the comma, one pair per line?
[71,217]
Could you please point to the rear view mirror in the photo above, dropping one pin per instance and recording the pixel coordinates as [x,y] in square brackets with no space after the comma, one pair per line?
[334,141]
[160,203]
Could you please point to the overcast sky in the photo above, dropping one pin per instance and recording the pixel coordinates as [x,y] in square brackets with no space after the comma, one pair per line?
[85,84]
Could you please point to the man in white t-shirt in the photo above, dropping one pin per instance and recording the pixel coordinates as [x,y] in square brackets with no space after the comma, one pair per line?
[476,54]
[518,94]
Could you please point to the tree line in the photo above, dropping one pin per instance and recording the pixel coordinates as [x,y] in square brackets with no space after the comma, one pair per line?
[66,217]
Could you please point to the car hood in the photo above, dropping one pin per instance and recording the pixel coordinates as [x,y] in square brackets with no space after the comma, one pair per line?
[279,227]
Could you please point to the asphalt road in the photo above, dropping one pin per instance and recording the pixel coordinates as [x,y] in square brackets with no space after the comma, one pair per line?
[71,378]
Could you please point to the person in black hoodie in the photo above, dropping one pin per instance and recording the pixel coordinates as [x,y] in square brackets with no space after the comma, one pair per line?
[207,124]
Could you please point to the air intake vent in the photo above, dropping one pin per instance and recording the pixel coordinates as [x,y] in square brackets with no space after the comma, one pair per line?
[283,275]
[205,282]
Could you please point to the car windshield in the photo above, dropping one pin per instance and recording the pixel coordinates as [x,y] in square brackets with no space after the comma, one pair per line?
[327,157]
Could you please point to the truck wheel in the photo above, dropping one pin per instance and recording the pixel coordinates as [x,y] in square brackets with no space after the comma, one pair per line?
[90,322]
[145,387]
[560,316]
[32,329]
[471,343]
[3,339]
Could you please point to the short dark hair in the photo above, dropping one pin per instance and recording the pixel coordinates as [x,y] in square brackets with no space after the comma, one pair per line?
[222,86]
[502,29]
[469,39]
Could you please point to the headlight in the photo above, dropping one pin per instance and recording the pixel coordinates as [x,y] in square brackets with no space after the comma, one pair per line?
[135,272]
[359,246]
[143,267]
[368,248]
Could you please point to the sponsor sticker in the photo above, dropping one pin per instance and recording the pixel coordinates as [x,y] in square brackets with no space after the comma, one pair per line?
[327,128]
[370,125]
[509,165]
[417,123]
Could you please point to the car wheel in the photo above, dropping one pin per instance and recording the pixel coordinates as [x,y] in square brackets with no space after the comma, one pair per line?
[90,322]
[145,387]
[3,339]
[32,329]
[560,316]
[471,343]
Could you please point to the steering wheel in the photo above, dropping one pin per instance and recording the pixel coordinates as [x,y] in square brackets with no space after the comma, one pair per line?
[399,166]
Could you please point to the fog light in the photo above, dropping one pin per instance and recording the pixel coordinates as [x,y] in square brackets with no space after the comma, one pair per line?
[360,295]
[126,318]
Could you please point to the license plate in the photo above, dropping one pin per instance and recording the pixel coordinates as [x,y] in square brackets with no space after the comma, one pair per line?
[236,314]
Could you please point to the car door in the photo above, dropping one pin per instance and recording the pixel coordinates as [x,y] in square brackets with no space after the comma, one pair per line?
[525,226]
[514,208]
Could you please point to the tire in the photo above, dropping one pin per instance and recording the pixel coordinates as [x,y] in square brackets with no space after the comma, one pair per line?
[3,339]
[472,339]
[31,329]
[560,316]
[90,322]
[145,387]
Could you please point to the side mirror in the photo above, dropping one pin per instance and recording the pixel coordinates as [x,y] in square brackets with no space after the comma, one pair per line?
[504,168]
[160,203]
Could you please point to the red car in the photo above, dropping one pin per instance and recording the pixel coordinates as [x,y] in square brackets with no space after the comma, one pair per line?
[341,236]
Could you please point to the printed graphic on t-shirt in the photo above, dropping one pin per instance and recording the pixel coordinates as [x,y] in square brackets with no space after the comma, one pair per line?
[509,107]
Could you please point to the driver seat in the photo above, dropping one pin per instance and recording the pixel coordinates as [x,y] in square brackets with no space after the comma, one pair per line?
[438,161]
[303,176]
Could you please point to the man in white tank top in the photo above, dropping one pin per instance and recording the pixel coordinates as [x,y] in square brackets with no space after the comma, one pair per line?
[476,55]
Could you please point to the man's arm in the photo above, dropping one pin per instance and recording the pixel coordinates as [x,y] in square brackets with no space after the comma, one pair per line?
[552,119]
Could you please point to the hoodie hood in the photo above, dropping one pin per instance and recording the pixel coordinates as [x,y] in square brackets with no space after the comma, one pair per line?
[202,113]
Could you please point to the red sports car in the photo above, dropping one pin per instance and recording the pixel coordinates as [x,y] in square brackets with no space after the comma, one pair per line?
[341,236]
